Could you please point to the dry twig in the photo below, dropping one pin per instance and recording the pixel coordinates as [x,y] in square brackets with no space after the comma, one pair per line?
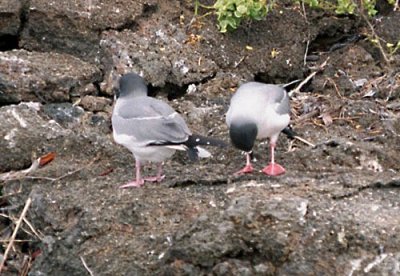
[304,141]
[301,84]
[377,38]
[336,87]
[306,116]
[306,52]
[8,240]
[86,266]
[36,164]
[33,229]
[26,266]
[12,239]
[19,175]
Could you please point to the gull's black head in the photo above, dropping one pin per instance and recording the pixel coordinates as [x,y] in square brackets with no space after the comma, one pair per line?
[131,85]
[243,135]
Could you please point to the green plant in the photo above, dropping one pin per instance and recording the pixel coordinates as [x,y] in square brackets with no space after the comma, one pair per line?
[369,6]
[311,3]
[345,7]
[351,7]
[230,13]
[393,48]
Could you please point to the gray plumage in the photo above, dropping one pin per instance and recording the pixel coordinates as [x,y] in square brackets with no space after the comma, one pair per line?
[151,129]
[149,121]
[258,111]
[141,122]
[265,105]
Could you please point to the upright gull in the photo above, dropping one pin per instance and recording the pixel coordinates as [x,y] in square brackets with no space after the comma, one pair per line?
[151,129]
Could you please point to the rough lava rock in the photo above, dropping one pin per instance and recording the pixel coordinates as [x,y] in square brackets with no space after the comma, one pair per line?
[10,13]
[75,27]
[256,228]
[20,124]
[172,47]
[334,212]
[43,77]
[159,56]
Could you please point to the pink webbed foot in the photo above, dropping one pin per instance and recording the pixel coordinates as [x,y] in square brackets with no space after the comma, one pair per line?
[154,178]
[246,169]
[273,169]
[133,184]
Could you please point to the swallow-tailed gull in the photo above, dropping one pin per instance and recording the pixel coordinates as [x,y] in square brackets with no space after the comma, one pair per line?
[151,129]
[258,111]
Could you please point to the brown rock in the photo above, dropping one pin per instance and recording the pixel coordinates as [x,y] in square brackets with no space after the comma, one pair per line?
[93,103]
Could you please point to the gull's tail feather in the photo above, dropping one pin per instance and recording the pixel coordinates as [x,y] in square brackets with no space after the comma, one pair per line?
[199,140]
[191,145]
[195,140]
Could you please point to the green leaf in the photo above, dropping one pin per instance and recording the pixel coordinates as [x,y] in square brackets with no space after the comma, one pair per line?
[241,9]
[345,7]
[223,26]
[232,22]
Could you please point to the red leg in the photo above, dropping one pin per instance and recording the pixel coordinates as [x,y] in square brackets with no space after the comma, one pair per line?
[139,180]
[273,168]
[159,177]
[248,168]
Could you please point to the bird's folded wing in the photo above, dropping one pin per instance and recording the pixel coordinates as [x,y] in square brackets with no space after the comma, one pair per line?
[150,123]
[283,106]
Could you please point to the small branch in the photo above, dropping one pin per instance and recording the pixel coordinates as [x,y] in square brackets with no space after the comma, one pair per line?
[376,37]
[304,141]
[306,51]
[36,164]
[304,11]
[301,84]
[18,224]
[197,4]
[18,175]
[17,241]
[69,173]
[40,178]
[33,229]
[238,62]
[336,87]
[306,116]
[86,266]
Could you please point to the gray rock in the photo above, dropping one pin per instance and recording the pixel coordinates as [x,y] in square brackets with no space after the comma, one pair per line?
[354,235]
[44,77]
[74,27]
[25,135]
[233,267]
[10,11]
[159,54]
[65,114]
[255,228]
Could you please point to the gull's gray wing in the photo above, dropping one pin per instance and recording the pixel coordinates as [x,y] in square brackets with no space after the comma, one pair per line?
[262,94]
[281,98]
[252,99]
[147,121]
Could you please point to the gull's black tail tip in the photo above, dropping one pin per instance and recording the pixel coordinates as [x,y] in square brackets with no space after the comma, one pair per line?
[199,140]
[196,140]
[289,132]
